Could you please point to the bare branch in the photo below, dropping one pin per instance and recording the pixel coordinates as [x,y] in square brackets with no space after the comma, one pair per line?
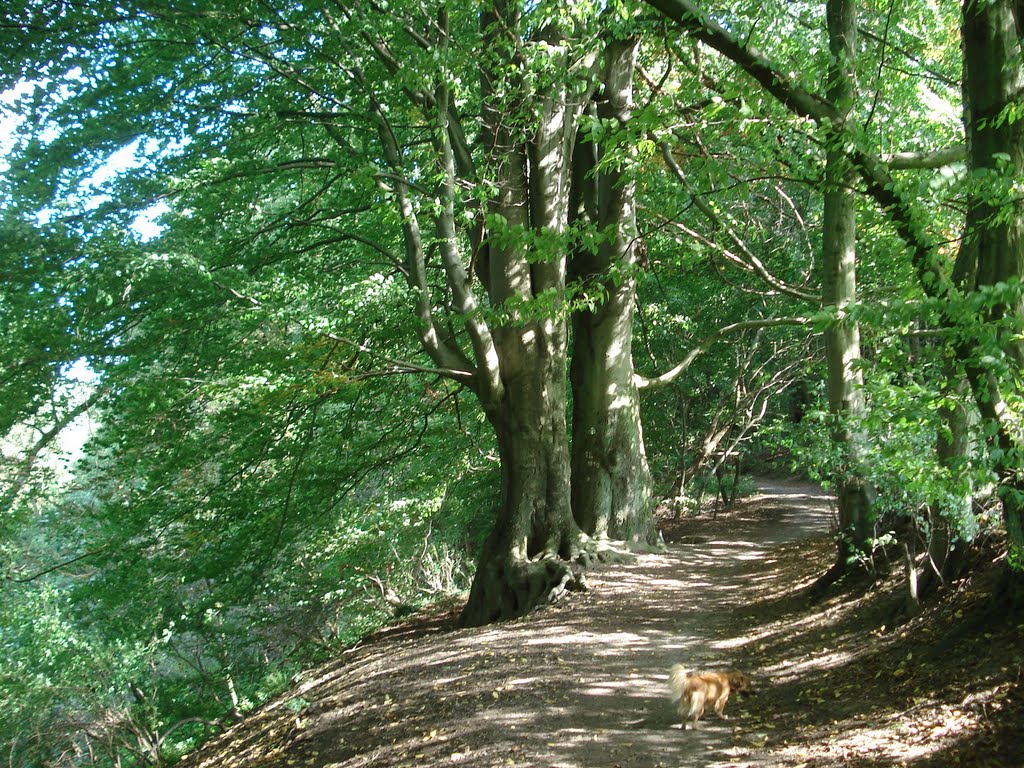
[750,262]
[56,567]
[668,377]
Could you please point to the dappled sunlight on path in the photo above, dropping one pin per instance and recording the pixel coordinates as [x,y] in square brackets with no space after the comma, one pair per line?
[578,684]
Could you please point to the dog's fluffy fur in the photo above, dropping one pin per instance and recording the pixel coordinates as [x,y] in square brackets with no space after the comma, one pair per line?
[695,690]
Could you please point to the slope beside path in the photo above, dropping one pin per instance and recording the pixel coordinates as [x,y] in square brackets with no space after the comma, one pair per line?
[582,683]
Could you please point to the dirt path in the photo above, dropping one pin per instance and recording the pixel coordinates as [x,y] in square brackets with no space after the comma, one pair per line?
[578,684]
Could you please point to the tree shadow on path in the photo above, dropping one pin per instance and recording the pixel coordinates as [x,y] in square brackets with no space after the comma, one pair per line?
[583,683]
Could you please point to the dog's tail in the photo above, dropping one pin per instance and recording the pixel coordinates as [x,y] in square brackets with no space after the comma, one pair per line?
[676,681]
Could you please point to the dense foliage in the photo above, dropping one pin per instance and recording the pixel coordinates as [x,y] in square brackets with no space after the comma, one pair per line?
[244,382]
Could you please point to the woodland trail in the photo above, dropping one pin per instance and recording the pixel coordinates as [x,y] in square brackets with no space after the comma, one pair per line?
[582,683]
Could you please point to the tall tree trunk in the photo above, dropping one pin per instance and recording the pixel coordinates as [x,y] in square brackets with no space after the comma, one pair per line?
[842,338]
[526,560]
[611,481]
[993,246]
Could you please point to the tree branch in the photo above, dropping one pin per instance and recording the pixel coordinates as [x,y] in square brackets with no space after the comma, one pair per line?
[465,301]
[432,338]
[402,366]
[32,454]
[668,377]
[423,99]
[57,567]
[908,221]
[914,161]
[749,262]
[694,21]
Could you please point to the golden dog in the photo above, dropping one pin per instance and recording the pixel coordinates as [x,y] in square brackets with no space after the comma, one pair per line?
[695,690]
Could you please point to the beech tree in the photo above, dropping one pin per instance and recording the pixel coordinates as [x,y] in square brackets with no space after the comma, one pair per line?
[611,482]
[839,290]
[435,147]
[522,385]
[987,313]
[990,264]
[838,257]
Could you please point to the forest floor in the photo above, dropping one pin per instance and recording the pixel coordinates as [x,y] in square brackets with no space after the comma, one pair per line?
[846,681]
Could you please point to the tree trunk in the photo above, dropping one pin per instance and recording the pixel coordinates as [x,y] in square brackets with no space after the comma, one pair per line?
[611,481]
[945,548]
[842,337]
[993,246]
[527,559]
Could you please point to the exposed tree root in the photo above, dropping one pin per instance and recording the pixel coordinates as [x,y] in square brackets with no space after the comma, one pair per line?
[506,589]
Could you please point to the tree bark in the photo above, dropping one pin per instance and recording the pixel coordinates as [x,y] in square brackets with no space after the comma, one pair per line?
[839,291]
[945,547]
[993,246]
[527,559]
[611,480]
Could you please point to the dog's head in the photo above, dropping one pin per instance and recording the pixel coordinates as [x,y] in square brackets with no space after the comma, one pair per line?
[740,682]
